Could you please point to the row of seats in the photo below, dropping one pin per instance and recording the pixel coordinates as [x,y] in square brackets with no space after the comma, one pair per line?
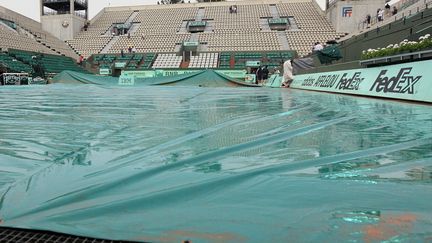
[40,40]
[159,28]
[12,39]
[13,64]
[142,61]
[149,43]
[304,41]
[98,33]
[204,60]
[167,61]
[88,47]
[51,63]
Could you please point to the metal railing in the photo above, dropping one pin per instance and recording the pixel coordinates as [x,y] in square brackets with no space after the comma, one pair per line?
[81,2]
[402,13]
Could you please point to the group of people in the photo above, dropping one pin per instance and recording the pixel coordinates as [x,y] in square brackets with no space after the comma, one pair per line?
[131,49]
[233,9]
[387,11]
[262,73]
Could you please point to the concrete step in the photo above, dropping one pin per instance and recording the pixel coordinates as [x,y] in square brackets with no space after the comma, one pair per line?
[200,14]
[110,44]
[283,41]
[131,17]
[274,12]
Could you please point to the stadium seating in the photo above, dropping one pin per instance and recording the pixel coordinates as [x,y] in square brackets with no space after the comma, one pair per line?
[167,61]
[98,34]
[313,27]
[204,60]
[150,43]
[161,29]
[51,63]
[13,64]
[13,39]
[30,36]
[134,61]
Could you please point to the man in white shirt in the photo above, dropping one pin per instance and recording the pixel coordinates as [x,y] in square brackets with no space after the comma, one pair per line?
[287,74]
[318,47]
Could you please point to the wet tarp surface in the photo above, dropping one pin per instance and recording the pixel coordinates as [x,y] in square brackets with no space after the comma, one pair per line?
[165,164]
[71,77]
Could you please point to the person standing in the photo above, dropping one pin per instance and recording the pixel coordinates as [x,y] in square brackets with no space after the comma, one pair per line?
[80,60]
[368,20]
[395,10]
[287,74]
[259,75]
[387,9]
[265,73]
[318,47]
[380,15]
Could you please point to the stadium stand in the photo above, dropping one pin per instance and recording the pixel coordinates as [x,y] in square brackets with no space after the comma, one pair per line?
[229,40]
[51,63]
[204,60]
[167,61]
[13,64]
[29,35]
[98,34]
[313,26]
[241,32]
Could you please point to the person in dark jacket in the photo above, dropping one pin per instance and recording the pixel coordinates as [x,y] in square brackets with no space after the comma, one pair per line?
[259,75]
[265,73]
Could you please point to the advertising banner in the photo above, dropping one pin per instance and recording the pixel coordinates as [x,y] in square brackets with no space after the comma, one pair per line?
[36,81]
[409,81]
[104,71]
[14,78]
[238,74]
[126,80]
[120,64]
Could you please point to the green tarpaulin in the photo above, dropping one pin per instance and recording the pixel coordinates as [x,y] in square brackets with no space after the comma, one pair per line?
[205,78]
[168,164]
[329,54]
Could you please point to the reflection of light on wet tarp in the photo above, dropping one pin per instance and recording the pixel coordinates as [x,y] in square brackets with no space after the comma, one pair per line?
[169,163]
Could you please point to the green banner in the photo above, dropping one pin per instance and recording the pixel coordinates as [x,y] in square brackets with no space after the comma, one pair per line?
[278,21]
[237,74]
[120,64]
[253,63]
[104,71]
[190,43]
[409,81]
[197,23]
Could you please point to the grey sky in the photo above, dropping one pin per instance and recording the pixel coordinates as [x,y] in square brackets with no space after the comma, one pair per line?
[30,8]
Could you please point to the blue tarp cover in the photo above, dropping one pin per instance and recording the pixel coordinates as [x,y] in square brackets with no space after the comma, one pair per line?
[165,164]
